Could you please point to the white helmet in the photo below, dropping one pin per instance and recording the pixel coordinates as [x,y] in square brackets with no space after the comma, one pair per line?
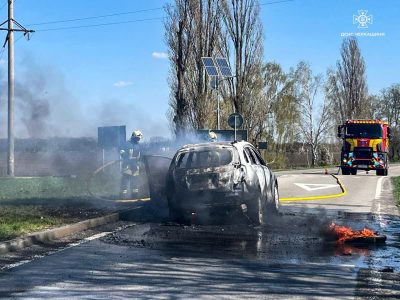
[137,135]
[212,136]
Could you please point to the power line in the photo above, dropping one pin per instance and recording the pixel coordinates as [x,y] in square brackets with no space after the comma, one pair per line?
[3,49]
[114,15]
[5,3]
[276,2]
[99,25]
[96,17]
[2,52]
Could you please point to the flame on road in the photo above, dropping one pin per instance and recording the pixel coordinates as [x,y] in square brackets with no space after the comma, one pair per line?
[344,233]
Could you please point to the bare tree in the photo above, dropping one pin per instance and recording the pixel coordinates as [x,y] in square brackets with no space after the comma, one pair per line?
[346,86]
[193,30]
[179,35]
[206,16]
[313,124]
[244,41]
[275,101]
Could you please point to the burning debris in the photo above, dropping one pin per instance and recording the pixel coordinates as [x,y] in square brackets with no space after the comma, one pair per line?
[346,235]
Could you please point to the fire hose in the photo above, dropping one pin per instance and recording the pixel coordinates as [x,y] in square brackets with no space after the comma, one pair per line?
[340,184]
[89,180]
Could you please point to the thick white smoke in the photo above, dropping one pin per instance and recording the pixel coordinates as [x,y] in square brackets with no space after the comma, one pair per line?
[45,106]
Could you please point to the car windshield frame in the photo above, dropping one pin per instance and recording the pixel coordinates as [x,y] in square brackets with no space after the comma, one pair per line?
[364,131]
[202,158]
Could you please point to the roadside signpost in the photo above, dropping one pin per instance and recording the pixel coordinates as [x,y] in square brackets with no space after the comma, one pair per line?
[235,120]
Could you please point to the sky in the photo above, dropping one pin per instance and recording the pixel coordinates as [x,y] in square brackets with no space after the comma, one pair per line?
[80,78]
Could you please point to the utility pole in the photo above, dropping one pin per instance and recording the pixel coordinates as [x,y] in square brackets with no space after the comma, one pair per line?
[10,156]
[10,39]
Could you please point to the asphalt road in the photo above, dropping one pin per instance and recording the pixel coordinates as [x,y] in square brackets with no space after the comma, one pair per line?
[291,257]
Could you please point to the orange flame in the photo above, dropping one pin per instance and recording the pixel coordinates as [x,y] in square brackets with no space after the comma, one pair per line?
[344,233]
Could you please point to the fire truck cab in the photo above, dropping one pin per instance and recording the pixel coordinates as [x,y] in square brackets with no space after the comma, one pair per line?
[365,146]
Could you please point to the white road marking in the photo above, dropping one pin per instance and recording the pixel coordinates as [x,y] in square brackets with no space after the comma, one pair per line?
[378,193]
[379,188]
[315,186]
[69,246]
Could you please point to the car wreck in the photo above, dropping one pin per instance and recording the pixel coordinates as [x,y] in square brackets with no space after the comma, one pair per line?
[220,178]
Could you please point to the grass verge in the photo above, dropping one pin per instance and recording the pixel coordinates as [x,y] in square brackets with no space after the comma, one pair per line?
[396,189]
[37,203]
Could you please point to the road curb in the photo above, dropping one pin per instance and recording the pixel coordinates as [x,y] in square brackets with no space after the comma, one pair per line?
[60,232]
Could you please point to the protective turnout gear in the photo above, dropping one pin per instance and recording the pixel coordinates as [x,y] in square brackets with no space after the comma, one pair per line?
[212,136]
[130,156]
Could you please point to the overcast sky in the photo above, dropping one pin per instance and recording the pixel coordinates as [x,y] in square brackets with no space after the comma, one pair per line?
[117,74]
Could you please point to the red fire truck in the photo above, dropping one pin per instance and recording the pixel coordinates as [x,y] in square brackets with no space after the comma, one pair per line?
[365,146]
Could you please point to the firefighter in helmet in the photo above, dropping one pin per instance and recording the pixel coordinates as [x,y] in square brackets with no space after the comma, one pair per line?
[130,157]
[212,136]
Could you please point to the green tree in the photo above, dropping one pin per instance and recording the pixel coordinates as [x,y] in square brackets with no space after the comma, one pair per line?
[346,87]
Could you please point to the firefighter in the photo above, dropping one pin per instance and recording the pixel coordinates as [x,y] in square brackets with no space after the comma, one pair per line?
[130,157]
[212,136]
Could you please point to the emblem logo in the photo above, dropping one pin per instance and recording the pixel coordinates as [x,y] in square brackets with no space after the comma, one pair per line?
[362,19]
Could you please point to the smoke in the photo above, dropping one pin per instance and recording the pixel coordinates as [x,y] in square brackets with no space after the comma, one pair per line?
[46,106]
[33,108]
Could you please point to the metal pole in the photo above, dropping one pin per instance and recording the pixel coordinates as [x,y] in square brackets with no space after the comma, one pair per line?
[235,128]
[218,127]
[104,158]
[10,169]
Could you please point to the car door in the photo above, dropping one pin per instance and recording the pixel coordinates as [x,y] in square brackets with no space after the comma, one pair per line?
[258,169]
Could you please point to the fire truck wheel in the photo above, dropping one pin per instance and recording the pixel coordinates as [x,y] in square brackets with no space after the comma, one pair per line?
[345,171]
[382,172]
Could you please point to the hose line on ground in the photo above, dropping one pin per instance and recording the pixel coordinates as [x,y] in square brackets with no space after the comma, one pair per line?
[90,178]
[339,182]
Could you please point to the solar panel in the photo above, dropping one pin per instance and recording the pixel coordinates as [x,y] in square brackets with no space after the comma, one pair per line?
[222,62]
[212,71]
[208,61]
[210,66]
[223,67]
[226,72]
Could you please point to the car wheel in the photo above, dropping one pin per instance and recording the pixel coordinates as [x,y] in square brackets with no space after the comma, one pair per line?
[381,172]
[272,208]
[345,171]
[256,212]
[276,204]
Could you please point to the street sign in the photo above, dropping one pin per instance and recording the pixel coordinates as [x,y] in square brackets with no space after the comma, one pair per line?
[235,120]
[111,136]
[262,145]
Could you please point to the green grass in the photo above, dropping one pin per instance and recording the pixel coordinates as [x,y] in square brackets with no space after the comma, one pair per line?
[20,220]
[54,187]
[33,204]
[396,189]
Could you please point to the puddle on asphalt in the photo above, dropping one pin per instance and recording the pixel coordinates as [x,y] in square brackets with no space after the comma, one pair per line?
[294,238]
[386,257]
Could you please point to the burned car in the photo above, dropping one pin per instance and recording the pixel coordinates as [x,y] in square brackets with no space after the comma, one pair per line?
[219,178]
